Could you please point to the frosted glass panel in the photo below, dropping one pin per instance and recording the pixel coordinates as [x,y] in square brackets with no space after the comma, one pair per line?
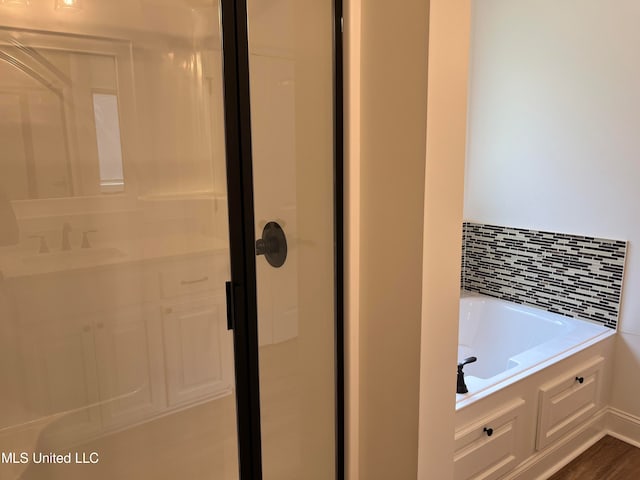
[115,359]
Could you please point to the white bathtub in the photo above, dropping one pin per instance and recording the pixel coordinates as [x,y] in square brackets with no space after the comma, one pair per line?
[513,341]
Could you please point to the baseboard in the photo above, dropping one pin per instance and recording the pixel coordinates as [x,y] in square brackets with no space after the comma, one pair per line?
[623,426]
[545,463]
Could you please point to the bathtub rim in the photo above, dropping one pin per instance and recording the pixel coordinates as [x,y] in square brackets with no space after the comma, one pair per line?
[505,378]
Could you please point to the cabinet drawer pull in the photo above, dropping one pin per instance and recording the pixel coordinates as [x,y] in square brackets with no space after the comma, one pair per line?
[191,282]
[488,431]
[86,328]
[580,379]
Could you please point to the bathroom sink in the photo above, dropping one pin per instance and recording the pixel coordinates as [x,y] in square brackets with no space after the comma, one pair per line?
[82,257]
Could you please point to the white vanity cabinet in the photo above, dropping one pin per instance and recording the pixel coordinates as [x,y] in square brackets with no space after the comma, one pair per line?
[155,341]
[129,359]
[61,377]
[193,277]
[197,350]
[197,345]
[96,371]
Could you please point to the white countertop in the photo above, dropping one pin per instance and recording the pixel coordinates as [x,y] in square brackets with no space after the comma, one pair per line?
[19,262]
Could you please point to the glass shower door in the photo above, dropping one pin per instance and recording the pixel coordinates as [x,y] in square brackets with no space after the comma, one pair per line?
[283,183]
[115,358]
[292,131]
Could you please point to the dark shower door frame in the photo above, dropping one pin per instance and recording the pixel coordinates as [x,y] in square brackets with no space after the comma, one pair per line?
[242,311]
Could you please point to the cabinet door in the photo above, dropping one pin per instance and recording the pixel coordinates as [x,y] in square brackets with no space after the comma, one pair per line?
[568,401]
[129,358]
[491,446]
[197,352]
[62,381]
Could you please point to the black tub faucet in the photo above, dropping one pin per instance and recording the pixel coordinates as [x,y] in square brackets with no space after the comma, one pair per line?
[462,387]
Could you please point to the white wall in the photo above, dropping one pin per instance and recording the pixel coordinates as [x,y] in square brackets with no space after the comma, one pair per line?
[449,23]
[387,109]
[406,143]
[554,143]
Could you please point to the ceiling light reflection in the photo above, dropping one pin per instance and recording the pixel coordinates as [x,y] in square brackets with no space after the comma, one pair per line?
[68,5]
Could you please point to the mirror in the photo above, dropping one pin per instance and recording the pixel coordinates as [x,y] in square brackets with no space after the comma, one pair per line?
[60,118]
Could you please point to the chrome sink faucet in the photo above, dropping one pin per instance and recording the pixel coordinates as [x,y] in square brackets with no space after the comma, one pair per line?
[44,248]
[66,244]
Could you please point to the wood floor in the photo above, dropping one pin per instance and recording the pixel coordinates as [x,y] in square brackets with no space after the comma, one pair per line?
[609,459]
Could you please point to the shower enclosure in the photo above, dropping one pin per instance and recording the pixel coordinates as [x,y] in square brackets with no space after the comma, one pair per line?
[170,240]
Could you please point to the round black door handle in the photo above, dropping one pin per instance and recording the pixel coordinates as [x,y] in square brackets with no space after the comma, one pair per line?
[273,244]
[488,431]
[580,379]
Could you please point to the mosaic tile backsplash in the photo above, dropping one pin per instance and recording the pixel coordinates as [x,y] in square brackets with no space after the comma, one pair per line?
[571,275]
